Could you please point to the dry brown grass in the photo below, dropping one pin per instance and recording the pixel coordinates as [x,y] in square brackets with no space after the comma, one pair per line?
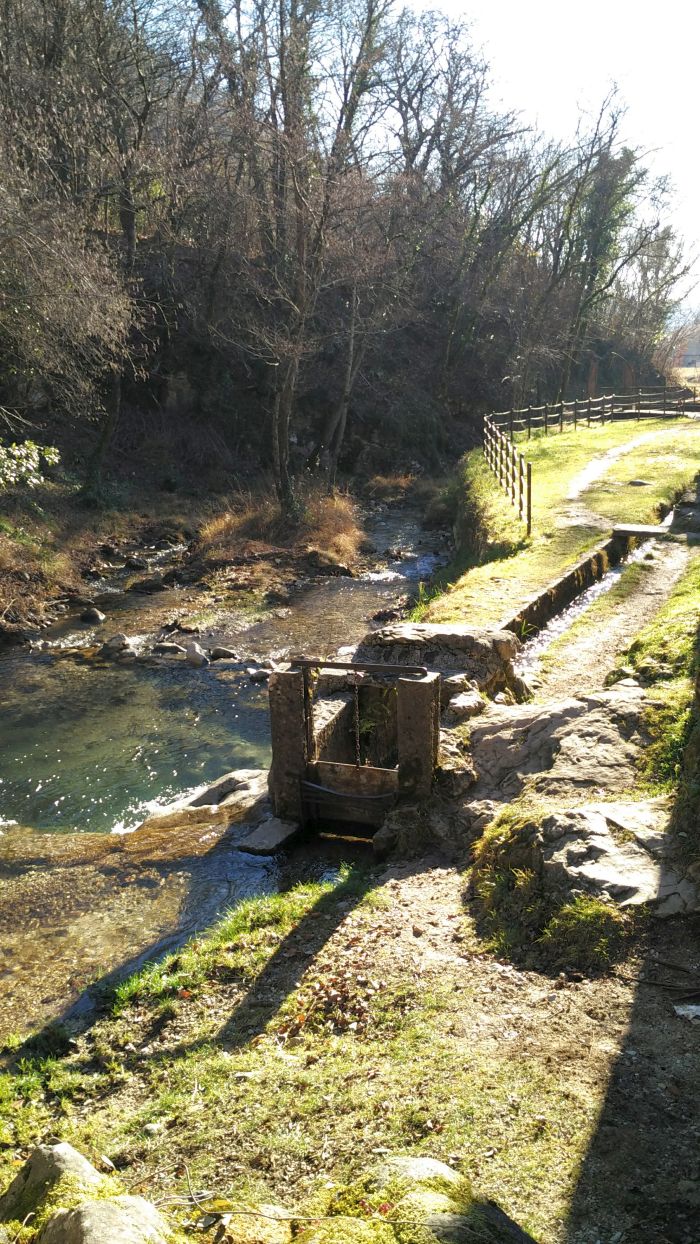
[328,524]
[390,487]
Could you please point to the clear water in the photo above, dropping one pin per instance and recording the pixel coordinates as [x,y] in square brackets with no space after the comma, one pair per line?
[534,648]
[95,747]
[90,746]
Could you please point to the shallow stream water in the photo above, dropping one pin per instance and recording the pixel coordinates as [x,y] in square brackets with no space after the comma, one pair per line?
[89,747]
[534,648]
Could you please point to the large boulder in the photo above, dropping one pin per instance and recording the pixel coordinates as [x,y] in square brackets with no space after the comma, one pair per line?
[120,1220]
[617,851]
[563,747]
[484,656]
[46,1167]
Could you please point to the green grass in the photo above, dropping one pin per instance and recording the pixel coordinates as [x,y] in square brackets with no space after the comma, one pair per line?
[497,570]
[665,656]
[384,1063]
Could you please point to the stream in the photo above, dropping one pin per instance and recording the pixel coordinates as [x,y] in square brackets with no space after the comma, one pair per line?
[528,661]
[88,748]
[96,746]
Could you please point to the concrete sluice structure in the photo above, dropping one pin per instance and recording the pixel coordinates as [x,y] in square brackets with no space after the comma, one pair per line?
[349,740]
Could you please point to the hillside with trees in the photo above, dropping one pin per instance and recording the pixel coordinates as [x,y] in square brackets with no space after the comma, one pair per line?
[298,238]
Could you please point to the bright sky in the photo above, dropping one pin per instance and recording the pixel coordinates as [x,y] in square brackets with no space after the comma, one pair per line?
[549,58]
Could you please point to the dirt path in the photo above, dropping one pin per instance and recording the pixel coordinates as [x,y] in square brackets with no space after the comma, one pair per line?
[574,512]
[583,663]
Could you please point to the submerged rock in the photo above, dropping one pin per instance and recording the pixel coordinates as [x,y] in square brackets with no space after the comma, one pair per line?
[93,615]
[154,583]
[219,653]
[256,674]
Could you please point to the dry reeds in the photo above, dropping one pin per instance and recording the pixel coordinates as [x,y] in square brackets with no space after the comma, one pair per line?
[327,524]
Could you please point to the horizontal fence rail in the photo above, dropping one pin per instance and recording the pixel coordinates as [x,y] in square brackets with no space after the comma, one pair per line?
[514,473]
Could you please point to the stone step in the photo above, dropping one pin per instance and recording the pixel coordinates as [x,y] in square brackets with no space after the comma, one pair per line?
[644,529]
[269,837]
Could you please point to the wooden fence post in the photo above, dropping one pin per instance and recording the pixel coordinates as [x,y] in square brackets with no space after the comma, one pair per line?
[588,416]
[510,424]
[529,421]
[529,498]
[575,413]
[561,416]
[546,419]
[639,402]
[664,395]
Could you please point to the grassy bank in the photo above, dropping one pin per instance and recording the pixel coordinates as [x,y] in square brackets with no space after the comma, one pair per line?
[497,569]
[305,1035]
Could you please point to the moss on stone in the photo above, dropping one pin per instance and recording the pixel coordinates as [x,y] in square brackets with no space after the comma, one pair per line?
[347,1231]
[66,1193]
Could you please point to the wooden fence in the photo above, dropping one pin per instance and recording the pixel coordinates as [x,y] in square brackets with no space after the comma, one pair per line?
[514,473]
[554,416]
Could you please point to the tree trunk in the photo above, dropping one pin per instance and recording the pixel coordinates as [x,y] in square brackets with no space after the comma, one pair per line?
[127,220]
[92,488]
[281,416]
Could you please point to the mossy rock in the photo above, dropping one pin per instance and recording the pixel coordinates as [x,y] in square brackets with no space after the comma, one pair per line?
[347,1231]
[273,1229]
[54,1176]
[418,1196]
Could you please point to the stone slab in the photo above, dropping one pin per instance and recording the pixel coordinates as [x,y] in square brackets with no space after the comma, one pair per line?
[643,529]
[269,837]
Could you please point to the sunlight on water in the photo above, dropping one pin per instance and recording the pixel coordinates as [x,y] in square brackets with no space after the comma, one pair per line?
[529,658]
[86,745]
[96,747]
